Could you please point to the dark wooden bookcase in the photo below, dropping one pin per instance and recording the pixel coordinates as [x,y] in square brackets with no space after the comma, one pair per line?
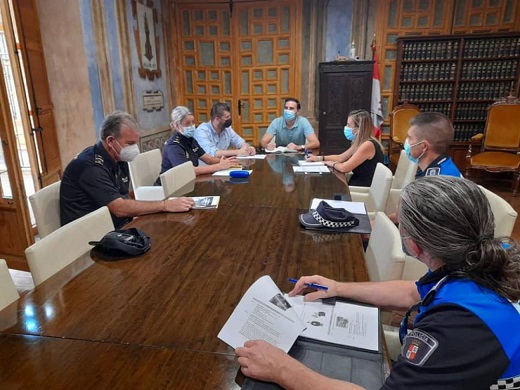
[458,75]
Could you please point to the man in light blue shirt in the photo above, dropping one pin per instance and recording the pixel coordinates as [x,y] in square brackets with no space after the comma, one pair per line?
[291,130]
[216,136]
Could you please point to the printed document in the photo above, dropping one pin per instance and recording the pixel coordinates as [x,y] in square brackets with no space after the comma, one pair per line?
[311,169]
[281,149]
[342,323]
[254,157]
[263,314]
[304,163]
[203,202]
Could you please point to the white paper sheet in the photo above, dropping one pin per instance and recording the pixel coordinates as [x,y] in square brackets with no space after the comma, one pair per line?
[225,172]
[353,207]
[304,163]
[311,169]
[203,202]
[262,314]
[281,149]
[254,157]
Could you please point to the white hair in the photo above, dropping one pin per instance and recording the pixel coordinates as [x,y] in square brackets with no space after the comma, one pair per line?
[178,114]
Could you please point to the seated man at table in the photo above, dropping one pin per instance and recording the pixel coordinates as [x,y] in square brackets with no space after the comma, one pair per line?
[291,130]
[217,135]
[99,176]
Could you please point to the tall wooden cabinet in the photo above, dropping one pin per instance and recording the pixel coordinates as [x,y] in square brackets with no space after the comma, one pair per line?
[460,76]
[343,86]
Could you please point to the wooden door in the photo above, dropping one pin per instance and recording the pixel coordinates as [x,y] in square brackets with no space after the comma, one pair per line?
[15,228]
[247,56]
[344,86]
[45,139]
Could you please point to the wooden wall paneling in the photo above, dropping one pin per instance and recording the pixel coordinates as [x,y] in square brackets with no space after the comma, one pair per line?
[484,16]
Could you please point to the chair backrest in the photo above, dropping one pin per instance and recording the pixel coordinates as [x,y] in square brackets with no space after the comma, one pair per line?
[505,215]
[177,177]
[8,293]
[60,248]
[45,204]
[384,256]
[405,172]
[145,168]
[502,129]
[380,187]
[400,121]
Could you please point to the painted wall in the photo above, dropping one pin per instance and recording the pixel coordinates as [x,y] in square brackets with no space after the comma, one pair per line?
[339,27]
[66,60]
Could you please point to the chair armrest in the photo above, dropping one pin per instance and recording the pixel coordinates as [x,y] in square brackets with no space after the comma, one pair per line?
[397,140]
[477,138]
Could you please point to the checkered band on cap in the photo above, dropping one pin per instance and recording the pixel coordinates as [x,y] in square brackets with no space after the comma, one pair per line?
[510,383]
[331,224]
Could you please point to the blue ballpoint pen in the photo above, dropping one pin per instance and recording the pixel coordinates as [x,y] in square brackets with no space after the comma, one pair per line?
[313,285]
[306,153]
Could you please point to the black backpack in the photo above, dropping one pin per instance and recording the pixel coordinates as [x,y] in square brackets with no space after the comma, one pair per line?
[122,244]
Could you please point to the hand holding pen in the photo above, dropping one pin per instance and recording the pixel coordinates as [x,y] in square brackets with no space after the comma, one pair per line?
[325,288]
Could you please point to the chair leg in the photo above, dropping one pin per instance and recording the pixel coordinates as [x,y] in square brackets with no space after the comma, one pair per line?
[516,182]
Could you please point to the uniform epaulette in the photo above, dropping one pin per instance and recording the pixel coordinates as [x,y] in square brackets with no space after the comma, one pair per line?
[98,159]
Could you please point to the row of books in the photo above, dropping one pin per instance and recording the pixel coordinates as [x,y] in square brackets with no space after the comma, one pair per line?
[490,70]
[426,92]
[495,47]
[463,133]
[437,71]
[431,50]
[483,91]
[472,111]
[443,108]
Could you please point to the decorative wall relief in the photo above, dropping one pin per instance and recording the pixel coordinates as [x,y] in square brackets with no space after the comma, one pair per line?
[147,38]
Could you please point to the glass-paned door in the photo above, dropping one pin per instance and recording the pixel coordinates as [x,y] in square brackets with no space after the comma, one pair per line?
[247,56]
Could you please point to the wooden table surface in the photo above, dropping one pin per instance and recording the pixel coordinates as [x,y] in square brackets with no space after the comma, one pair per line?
[152,321]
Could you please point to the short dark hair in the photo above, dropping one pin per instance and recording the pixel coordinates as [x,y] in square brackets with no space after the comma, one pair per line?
[435,128]
[113,122]
[218,110]
[291,99]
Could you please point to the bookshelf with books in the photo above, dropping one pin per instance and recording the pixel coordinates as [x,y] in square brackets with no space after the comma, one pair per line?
[459,76]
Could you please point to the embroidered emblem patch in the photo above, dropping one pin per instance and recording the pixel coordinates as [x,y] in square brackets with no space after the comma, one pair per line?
[433,172]
[418,347]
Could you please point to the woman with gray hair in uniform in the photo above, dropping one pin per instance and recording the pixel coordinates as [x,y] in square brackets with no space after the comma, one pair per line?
[182,147]
[465,335]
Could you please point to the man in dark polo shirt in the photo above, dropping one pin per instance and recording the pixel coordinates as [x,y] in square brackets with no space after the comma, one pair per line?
[99,176]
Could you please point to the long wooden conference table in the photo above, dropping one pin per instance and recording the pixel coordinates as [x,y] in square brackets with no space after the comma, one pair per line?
[152,321]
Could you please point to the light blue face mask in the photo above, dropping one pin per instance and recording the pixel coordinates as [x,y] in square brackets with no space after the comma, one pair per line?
[289,115]
[188,132]
[349,133]
[408,150]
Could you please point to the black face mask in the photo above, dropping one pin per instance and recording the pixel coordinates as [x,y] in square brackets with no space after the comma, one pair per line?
[228,123]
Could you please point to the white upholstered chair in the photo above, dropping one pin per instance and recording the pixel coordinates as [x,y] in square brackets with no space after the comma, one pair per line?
[404,174]
[177,177]
[60,248]
[45,204]
[376,197]
[8,293]
[505,215]
[144,171]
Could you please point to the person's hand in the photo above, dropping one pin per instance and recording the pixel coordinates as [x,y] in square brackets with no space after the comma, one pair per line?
[300,286]
[293,146]
[179,205]
[270,146]
[314,158]
[251,151]
[260,360]
[226,163]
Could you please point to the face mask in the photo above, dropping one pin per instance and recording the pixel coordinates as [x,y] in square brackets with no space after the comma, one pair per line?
[289,115]
[128,153]
[349,133]
[188,132]
[408,150]
[228,123]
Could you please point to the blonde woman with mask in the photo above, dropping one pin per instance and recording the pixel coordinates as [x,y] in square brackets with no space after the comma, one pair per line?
[364,153]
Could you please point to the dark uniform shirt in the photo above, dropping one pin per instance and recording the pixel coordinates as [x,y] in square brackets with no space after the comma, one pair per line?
[179,149]
[90,181]
[363,174]
[449,348]
[442,165]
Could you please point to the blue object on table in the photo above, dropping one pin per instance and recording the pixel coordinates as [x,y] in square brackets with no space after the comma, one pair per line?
[239,174]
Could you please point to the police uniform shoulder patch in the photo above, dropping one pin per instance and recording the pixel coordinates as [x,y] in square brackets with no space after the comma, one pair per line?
[433,171]
[418,346]
[98,159]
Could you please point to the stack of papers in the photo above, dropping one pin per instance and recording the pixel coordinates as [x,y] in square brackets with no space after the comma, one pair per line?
[311,169]
[281,149]
[254,157]
[304,163]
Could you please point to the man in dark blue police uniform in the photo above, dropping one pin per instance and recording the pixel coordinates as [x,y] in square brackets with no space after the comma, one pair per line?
[99,176]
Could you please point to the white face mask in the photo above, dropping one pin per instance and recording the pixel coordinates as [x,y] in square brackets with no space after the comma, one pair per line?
[128,153]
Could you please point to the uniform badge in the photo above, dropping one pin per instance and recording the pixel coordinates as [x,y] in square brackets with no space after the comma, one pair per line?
[98,159]
[433,171]
[418,347]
